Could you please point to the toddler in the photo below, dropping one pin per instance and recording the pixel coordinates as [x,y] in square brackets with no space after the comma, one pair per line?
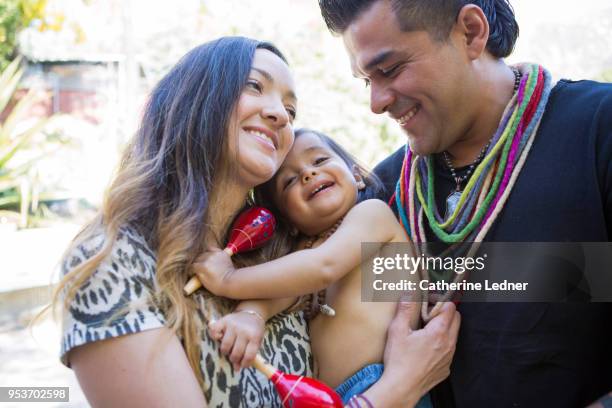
[316,191]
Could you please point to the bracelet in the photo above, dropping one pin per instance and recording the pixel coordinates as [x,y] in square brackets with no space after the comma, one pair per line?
[353,402]
[366,400]
[253,313]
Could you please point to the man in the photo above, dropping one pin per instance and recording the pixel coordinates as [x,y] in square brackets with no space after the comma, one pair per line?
[437,68]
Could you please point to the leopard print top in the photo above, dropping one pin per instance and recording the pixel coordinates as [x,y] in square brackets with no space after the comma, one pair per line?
[115,302]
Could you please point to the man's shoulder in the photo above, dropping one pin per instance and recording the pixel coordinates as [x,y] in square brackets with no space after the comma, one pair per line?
[583,85]
[578,108]
[583,95]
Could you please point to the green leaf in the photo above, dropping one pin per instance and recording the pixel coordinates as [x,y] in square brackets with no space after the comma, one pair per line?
[9,72]
[8,86]
[17,113]
[15,180]
[21,141]
[12,199]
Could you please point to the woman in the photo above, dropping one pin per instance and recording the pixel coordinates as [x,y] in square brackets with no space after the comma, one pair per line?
[218,124]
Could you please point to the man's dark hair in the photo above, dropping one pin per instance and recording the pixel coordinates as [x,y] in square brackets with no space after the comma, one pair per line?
[434,16]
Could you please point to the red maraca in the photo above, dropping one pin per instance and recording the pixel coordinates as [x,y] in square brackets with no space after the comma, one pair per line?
[253,228]
[297,391]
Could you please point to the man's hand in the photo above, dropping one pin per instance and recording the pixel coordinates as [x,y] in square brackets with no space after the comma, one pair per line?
[213,269]
[419,359]
[240,334]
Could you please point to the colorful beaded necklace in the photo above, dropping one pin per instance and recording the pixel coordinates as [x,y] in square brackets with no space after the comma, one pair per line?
[491,182]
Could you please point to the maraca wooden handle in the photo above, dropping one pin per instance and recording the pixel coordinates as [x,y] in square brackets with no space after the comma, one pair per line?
[260,364]
[191,286]
[194,283]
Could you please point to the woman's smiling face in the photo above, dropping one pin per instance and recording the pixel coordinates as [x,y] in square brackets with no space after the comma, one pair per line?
[314,187]
[261,128]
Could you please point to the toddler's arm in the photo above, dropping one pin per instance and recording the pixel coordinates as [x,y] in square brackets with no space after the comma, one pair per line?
[241,332]
[304,271]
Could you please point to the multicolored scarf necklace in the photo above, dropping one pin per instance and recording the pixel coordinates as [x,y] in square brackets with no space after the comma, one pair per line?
[492,181]
[490,184]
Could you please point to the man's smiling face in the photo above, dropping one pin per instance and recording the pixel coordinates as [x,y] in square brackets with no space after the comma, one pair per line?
[418,81]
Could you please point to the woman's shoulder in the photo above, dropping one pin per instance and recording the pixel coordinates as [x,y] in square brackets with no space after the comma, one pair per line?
[116,297]
[129,251]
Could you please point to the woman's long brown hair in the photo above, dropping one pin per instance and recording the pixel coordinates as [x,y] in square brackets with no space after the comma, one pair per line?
[165,179]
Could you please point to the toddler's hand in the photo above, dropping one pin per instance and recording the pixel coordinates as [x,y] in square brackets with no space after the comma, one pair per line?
[211,268]
[240,334]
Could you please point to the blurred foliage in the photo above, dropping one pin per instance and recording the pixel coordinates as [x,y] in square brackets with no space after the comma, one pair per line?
[22,145]
[330,99]
[10,22]
[15,15]
[606,76]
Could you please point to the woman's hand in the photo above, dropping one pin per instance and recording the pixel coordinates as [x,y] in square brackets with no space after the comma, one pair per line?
[240,334]
[416,360]
[213,269]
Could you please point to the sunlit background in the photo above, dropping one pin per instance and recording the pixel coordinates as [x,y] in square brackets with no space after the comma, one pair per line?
[86,68]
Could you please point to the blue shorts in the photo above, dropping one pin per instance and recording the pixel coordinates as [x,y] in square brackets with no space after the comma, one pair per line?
[366,377]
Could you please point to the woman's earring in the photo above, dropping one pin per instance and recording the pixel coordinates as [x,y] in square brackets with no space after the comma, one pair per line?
[293,232]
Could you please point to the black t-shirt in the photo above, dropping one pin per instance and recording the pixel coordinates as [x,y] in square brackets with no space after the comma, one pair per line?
[540,354]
